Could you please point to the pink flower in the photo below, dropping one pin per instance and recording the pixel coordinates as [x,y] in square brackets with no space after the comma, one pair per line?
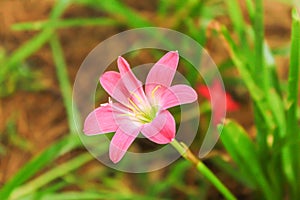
[218,93]
[137,110]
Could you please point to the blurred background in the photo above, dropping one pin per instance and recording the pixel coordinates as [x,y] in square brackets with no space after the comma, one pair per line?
[42,46]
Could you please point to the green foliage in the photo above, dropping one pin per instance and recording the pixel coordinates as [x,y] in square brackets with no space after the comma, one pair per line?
[17,76]
[45,158]
[291,155]
[65,23]
[233,138]
[265,162]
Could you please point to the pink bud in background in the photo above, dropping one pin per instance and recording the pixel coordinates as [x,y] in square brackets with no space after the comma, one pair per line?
[217,92]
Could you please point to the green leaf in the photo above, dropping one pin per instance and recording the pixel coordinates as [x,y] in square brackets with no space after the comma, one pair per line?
[261,76]
[37,41]
[64,23]
[25,51]
[277,107]
[255,92]
[163,7]
[251,10]
[51,175]
[119,11]
[236,16]
[59,148]
[64,83]
[292,155]
[245,154]
[238,174]
[271,69]
[93,196]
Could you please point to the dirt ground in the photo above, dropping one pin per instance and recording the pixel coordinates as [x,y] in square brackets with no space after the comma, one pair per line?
[40,117]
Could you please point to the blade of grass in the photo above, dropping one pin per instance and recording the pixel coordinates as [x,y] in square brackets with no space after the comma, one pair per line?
[262,110]
[282,51]
[293,87]
[36,42]
[196,33]
[271,69]
[250,8]
[49,190]
[163,7]
[25,51]
[292,156]
[64,23]
[259,71]
[120,11]
[203,169]
[261,78]
[238,174]
[59,7]
[245,154]
[57,149]
[239,27]
[63,79]
[255,92]
[174,178]
[274,166]
[51,175]
[278,111]
[95,196]
[182,12]
[236,16]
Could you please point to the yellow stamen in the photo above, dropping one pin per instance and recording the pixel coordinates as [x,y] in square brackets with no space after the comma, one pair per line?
[137,97]
[131,108]
[125,114]
[134,105]
[154,90]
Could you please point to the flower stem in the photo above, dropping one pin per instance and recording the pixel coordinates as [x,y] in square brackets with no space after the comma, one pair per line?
[202,168]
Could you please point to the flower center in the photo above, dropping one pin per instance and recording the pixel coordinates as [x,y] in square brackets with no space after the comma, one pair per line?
[144,112]
[144,115]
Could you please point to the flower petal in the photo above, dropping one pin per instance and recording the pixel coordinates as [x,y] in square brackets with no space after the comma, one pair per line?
[120,144]
[177,95]
[133,85]
[124,118]
[100,121]
[162,129]
[129,79]
[112,82]
[162,73]
[123,65]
